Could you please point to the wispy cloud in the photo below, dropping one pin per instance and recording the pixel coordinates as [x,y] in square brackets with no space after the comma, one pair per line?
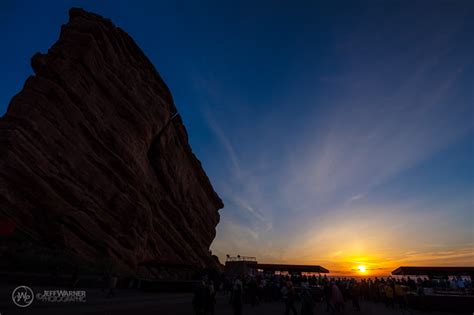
[225,142]
[356,197]
[246,220]
[310,191]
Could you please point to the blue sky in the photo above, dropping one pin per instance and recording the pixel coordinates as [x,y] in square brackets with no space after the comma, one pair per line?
[338,134]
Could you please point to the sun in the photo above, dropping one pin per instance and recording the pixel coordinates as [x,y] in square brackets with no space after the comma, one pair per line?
[362,269]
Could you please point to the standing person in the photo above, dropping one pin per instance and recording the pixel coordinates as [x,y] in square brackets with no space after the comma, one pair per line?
[105,282]
[307,302]
[381,292]
[327,296]
[199,299]
[460,284]
[355,295]
[388,294]
[112,285]
[337,300]
[400,293]
[210,300]
[289,295]
[237,297]
[252,288]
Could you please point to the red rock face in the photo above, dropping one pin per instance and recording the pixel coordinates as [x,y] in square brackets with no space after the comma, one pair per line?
[95,161]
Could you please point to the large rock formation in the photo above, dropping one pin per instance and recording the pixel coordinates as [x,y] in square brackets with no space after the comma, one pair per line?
[95,161]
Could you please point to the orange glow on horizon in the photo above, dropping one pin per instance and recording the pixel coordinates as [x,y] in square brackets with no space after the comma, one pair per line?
[365,266]
[344,247]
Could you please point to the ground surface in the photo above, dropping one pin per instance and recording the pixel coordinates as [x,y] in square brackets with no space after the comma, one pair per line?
[136,303]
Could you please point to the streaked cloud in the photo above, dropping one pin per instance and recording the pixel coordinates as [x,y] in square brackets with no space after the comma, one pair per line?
[307,180]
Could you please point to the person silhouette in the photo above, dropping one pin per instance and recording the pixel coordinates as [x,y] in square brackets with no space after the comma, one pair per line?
[289,295]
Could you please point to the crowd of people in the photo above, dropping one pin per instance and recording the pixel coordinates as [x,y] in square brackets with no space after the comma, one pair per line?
[337,294]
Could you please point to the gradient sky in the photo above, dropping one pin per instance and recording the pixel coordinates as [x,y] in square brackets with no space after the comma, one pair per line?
[337,134]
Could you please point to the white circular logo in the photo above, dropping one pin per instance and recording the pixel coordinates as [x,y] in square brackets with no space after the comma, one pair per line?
[23,296]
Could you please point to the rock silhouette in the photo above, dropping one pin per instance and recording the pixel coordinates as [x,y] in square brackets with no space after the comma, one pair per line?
[95,160]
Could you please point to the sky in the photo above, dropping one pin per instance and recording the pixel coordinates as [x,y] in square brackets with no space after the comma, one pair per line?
[337,133]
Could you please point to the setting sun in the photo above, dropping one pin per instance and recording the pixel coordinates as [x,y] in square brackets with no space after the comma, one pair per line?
[362,269]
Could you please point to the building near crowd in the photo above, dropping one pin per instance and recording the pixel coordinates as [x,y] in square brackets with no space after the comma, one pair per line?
[434,272]
[243,265]
[439,288]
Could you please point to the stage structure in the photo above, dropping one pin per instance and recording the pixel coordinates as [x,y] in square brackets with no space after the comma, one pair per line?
[434,272]
[244,265]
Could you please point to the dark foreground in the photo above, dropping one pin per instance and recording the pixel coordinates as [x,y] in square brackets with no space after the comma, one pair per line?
[135,303]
